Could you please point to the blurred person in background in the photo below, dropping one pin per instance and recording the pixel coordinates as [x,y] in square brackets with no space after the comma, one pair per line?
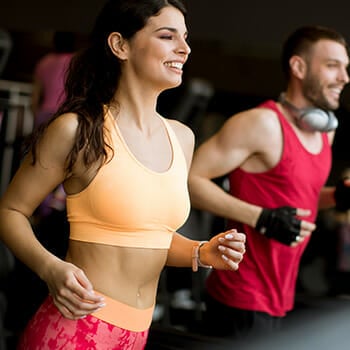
[277,157]
[49,77]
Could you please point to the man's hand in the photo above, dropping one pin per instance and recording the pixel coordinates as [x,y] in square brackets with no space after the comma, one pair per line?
[282,224]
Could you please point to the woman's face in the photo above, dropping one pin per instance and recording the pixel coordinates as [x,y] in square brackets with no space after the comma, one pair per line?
[157,53]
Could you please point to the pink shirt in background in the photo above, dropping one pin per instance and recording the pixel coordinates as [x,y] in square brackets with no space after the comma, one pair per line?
[51,71]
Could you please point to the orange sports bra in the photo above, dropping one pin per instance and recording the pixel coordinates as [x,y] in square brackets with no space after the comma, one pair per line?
[129,205]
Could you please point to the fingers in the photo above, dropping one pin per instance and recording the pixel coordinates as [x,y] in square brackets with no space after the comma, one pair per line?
[298,239]
[232,247]
[233,235]
[73,308]
[74,296]
[303,212]
[83,289]
[232,254]
[306,228]
[234,239]
[231,264]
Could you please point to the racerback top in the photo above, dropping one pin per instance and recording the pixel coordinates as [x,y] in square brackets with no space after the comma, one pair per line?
[127,204]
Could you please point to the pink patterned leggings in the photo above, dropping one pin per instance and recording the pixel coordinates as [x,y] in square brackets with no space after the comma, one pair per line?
[49,330]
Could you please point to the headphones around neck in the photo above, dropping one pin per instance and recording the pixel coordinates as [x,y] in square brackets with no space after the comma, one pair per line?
[311,119]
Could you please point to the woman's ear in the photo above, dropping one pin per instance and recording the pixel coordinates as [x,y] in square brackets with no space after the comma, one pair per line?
[118,45]
[297,66]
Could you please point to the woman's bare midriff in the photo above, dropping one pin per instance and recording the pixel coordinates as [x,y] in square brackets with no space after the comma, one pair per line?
[129,275]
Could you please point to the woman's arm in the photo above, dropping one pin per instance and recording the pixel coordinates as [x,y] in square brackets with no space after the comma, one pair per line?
[30,185]
[224,251]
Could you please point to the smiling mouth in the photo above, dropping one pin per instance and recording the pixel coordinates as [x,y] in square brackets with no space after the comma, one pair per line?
[177,65]
[336,91]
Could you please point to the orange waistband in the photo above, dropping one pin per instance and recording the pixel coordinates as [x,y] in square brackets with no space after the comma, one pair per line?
[154,239]
[124,316]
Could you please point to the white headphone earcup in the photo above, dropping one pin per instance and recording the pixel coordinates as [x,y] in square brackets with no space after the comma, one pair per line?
[311,119]
[333,122]
[315,119]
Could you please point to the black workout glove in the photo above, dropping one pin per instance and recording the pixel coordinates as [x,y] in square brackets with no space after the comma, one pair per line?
[279,224]
[342,195]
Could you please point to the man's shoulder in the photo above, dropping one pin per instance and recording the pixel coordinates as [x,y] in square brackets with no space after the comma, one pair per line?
[260,114]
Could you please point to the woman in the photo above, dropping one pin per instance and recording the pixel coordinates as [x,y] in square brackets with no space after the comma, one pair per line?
[124,169]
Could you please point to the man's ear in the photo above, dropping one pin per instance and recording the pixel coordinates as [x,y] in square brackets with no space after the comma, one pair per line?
[118,45]
[297,66]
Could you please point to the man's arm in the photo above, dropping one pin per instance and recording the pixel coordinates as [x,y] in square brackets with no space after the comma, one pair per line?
[326,198]
[253,141]
[234,145]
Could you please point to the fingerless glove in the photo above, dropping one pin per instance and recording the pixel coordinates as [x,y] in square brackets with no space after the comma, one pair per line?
[279,224]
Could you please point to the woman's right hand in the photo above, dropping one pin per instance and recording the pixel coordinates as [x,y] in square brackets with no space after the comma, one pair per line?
[224,251]
[71,290]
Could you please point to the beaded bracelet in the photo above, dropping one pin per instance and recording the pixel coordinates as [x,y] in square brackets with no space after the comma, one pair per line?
[196,259]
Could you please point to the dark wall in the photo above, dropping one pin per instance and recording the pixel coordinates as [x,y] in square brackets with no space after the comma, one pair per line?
[40,15]
[246,27]
[236,44]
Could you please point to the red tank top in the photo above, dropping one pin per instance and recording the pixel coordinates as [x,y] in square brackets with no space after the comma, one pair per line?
[267,275]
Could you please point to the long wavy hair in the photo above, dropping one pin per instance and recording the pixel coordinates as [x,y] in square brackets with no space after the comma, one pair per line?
[94,73]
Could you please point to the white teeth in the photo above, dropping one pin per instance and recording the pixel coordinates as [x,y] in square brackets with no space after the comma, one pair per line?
[336,91]
[177,65]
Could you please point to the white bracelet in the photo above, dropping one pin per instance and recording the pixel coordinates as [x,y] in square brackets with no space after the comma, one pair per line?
[196,259]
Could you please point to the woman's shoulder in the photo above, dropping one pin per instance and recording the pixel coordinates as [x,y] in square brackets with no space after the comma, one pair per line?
[65,125]
[61,133]
[180,127]
[181,130]
[185,136]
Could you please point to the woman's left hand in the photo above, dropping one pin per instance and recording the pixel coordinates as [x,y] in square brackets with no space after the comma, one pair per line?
[224,251]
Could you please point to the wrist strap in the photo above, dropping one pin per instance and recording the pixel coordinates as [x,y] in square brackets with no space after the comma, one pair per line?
[196,259]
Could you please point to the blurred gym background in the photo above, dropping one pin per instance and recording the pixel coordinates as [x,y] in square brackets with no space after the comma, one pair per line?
[234,65]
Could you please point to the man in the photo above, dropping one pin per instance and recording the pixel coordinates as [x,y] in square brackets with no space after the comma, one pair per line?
[277,157]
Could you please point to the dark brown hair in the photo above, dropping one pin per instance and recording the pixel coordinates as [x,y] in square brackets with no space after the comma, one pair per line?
[94,74]
[302,40]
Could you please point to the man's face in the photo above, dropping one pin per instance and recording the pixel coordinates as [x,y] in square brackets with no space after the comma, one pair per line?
[326,74]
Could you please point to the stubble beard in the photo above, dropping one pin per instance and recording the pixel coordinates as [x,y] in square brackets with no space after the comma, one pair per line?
[313,92]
